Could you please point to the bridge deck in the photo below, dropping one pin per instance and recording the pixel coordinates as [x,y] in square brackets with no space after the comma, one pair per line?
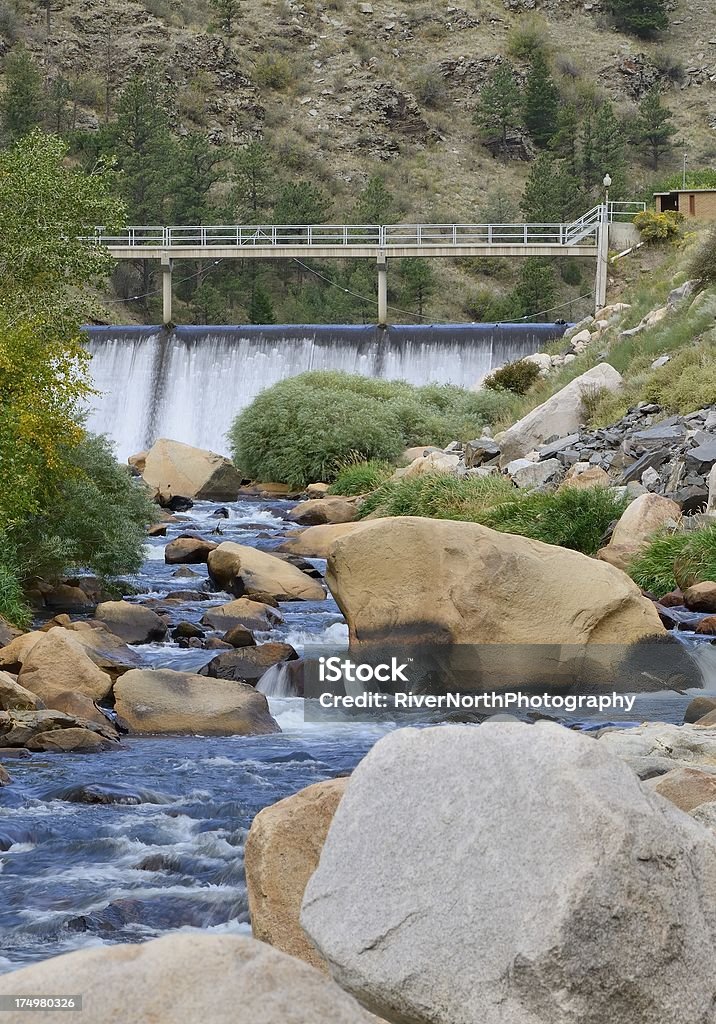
[234,252]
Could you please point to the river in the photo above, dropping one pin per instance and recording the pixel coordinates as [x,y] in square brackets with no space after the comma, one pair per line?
[170,855]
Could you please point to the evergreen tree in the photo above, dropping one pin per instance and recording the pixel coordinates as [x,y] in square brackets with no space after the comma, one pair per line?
[195,170]
[499,106]
[551,194]
[654,131]
[228,12]
[565,141]
[375,203]
[418,281]
[536,289]
[260,309]
[640,17]
[608,151]
[301,203]
[143,146]
[22,103]
[541,101]
[254,180]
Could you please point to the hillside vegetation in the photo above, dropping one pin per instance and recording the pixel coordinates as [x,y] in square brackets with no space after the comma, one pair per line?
[240,110]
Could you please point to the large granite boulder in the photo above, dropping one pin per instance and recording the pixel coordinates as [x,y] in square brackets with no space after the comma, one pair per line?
[319,511]
[687,788]
[560,415]
[184,978]
[547,887]
[248,664]
[282,852]
[239,569]
[188,550]
[163,701]
[174,469]
[409,579]
[131,622]
[105,648]
[14,697]
[58,662]
[13,654]
[36,730]
[645,516]
[243,612]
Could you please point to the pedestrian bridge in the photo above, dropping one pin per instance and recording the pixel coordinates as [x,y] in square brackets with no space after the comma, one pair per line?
[586,237]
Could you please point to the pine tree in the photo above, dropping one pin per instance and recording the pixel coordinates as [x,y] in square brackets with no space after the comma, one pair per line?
[654,131]
[536,291]
[144,150]
[541,101]
[565,141]
[418,281]
[608,151]
[22,103]
[260,309]
[499,108]
[301,203]
[640,17]
[254,179]
[228,11]
[551,194]
[195,170]
[375,203]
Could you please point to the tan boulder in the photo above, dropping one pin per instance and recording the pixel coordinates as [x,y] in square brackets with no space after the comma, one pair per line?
[175,469]
[317,541]
[14,697]
[105,648]
[185,978]
[13,654]
[77,705]
[317,490]
[560,415]
[701,597]
[688,788]
[240,569]
[131,622]
[645,516]
[433,462]
[595,476]
[282,852]
[188,551]
[243,612]
[411,580]
[19,728]
[73,740]
[266,489]
[319,511]
[8,632]
[164,701]
[58,662]
[138,462]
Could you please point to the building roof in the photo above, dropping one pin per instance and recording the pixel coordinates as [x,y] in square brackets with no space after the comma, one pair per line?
[682,191]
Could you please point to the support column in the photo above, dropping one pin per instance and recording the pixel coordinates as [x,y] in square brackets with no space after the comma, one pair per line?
[600,291]
[382,290]
[167,267]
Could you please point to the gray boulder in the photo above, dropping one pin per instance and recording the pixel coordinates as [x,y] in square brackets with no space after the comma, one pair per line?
[514,875]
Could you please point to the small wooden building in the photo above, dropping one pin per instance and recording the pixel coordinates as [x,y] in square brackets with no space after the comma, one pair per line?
[695,203]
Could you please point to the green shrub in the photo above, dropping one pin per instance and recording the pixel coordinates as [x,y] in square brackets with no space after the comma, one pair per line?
[572,518]
[658,227]
[517,377]
[302,429]
[438,496]
[360,477]
[676,560]
[529,36]
[273,71]
[96,521]
[576,519]
[703,265]
[13,606]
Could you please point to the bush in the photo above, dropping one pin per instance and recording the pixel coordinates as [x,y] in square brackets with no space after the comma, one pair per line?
[273,71]
[13,606]
[576,519]
[572,518]
[676,560]
[360,477]
[302,429]
[96,521]
[429,88]
[529,37]
[438,496]
[517,377]
[703,265]
[658,227]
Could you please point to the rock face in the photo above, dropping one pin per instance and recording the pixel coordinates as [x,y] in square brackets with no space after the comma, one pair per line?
[317,541]
[131,622]
[584,898]
[244,612]
[319,511]
[240,569]
[164,701]
[282,852]
[57,663]
[189,978]
[175,469]
[409,579]
[560,415]
[188,551]
[646,515]
[249,664]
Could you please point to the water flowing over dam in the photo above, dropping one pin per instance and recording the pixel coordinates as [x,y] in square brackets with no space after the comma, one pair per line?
[188,383]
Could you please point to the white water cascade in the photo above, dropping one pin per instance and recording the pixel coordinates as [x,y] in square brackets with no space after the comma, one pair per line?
[190,382]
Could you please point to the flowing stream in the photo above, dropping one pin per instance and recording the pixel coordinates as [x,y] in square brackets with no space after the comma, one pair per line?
[169,855]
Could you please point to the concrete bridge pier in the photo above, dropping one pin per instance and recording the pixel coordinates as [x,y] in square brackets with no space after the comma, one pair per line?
[382,290]
[167,267]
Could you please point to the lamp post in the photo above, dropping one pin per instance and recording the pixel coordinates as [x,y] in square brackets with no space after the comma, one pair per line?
[607,185]
[603,248]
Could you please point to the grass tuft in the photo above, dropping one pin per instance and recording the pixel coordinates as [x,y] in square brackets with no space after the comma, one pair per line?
[676,560]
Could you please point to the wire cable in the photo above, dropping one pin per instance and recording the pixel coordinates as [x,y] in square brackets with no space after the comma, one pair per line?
[158,291]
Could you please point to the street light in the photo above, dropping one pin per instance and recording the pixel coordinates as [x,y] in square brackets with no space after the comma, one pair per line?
[607,185]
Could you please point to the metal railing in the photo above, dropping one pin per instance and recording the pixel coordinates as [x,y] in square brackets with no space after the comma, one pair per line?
[583,231]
